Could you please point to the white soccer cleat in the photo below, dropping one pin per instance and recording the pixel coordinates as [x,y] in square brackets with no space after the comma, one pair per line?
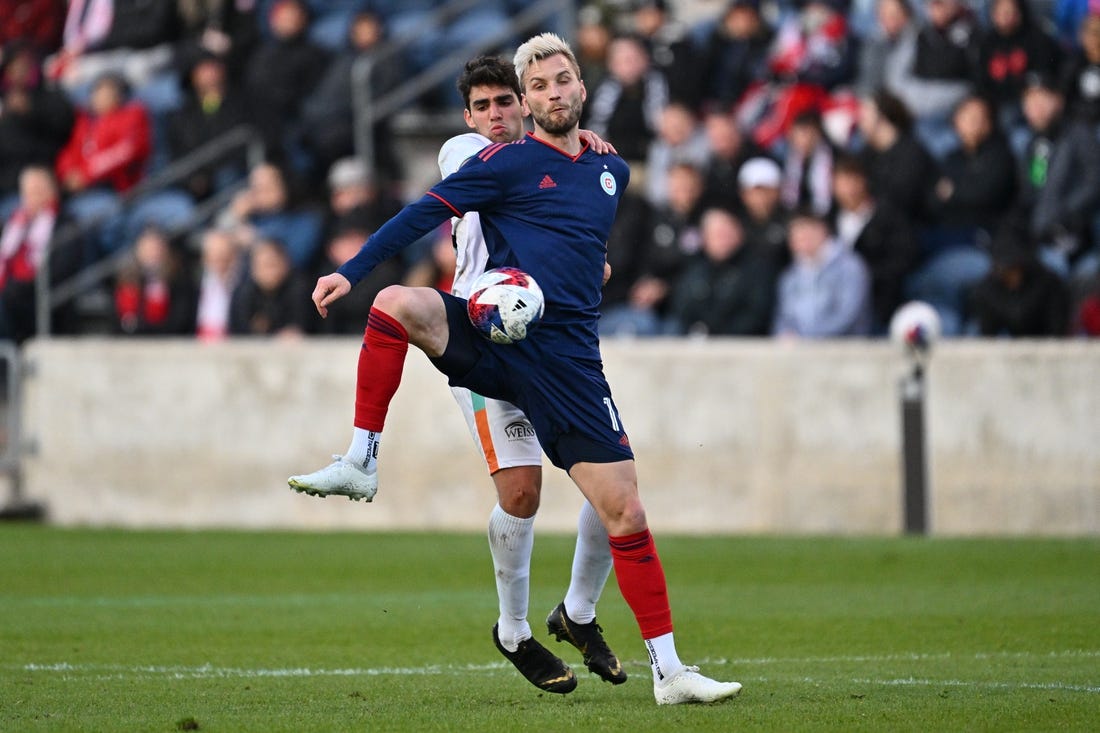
[339,478]
[688,685]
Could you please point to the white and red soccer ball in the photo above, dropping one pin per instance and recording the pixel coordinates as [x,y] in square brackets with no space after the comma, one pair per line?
[504,304]
[915,326]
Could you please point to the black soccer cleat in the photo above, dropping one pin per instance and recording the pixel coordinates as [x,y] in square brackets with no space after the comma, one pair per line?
[539,665]
[588,638]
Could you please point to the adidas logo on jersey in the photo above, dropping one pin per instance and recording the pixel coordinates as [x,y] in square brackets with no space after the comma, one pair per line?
[547,182]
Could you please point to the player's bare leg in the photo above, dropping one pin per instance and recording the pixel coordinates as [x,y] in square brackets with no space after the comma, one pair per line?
[400,316]
[612,488]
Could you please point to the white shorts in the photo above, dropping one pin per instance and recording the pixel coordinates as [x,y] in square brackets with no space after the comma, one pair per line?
[500,430]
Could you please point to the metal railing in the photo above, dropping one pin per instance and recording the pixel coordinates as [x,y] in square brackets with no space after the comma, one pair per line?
[369,110]
[12,446]
[50,296]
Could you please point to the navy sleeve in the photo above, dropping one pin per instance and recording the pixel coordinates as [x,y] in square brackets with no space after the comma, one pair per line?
[410,224]
[472,188]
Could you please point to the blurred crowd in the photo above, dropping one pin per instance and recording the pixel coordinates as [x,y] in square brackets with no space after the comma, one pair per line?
[800,168]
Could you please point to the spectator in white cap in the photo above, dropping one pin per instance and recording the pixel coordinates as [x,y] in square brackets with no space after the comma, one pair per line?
[350,184]
[355,200]
[765,220]
[760,172]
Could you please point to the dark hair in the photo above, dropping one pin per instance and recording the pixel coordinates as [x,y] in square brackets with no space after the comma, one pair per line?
[487,71]
[850,164]
[893,110]
[811,116]
[275,244]
[115,79]
[1012,244]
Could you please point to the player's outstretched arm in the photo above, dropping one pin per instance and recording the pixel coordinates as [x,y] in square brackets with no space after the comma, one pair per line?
[330,288]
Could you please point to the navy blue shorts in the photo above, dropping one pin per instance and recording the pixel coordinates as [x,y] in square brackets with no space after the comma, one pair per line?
[567,399]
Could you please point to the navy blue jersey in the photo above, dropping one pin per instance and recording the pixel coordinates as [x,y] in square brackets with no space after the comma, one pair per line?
[542,210]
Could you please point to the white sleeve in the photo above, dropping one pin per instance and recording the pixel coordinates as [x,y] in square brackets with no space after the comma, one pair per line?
[470,251]
[458,149]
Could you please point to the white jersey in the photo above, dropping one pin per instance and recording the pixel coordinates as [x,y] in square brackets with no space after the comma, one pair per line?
[471,255]
[500,429]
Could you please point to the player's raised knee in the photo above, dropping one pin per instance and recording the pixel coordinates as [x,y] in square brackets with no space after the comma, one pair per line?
[411,307]
[394,301]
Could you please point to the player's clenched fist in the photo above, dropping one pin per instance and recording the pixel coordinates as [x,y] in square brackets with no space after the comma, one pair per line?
[330,289]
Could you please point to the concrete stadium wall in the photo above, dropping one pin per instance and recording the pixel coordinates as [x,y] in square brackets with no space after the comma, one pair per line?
[731,436]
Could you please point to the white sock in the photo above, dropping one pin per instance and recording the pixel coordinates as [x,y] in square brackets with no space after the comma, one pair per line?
[364,449]
[663,657]
[591,566]
[510,541]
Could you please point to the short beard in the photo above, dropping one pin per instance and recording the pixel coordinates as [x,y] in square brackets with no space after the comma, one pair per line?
[569,121]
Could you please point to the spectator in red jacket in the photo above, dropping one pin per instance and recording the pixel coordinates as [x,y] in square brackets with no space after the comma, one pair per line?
[105,156]
[110,142]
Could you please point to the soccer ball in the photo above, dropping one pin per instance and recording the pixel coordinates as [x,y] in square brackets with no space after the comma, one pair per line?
[915,326]
[504,304]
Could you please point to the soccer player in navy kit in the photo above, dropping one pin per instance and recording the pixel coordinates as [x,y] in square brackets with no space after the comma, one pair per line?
[547,204]
[491,94]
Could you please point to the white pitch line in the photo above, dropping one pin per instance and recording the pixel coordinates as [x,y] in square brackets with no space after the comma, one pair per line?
[915,657]
[206,671]
[284,599]
[912,681]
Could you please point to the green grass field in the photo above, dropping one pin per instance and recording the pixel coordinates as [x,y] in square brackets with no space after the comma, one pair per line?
[236,631]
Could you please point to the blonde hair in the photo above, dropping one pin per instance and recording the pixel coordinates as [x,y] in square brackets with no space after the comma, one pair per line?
[540,47]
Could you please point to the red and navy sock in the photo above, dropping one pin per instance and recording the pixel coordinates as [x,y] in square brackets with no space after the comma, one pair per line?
[642,582]
[381,361]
